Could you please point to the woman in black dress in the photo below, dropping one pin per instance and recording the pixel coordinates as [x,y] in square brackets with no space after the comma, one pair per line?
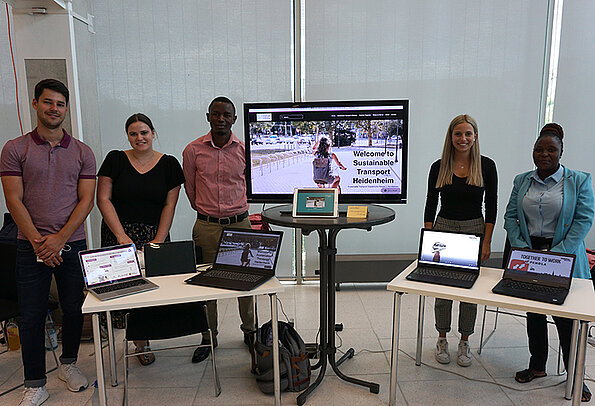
[137,194]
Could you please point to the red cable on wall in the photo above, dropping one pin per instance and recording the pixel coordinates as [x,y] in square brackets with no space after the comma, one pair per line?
[14,69]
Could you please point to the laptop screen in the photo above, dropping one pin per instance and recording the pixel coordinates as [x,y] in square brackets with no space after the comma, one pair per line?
[451,249]
[110,264]
[249,250]
[540,265]
[169,258]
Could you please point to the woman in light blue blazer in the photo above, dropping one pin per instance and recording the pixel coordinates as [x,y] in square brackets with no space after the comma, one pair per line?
[550,208]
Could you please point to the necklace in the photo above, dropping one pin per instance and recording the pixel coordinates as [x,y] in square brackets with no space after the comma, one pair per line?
[146,162]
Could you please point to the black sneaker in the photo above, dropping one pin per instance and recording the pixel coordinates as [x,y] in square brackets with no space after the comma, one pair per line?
[202,353]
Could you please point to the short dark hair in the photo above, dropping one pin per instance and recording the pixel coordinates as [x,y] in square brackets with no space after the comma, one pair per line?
[222,99]
[54,85]
[553,130]
[139,117]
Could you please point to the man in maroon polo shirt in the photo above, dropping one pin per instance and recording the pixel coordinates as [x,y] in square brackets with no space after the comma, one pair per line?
[214,167]
[48,179]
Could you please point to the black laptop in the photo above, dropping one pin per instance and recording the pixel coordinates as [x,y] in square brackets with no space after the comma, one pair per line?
[448,258]
[544,276]
[169,258]
[245,259]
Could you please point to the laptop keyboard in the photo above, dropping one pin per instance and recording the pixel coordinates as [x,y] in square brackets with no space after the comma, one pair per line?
[122,285]
[461,276]
[548,290]
[234,276]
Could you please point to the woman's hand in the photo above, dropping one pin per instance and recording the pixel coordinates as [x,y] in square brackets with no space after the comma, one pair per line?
[124,239]
[486,250]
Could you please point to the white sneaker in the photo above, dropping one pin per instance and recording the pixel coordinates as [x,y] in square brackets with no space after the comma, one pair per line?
[442,355]
[464,354]
[74,378]
[34,396]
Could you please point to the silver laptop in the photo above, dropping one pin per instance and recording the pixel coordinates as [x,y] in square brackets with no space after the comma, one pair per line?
[112,272]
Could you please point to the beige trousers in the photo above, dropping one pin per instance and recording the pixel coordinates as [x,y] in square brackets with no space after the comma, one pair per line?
[206,235]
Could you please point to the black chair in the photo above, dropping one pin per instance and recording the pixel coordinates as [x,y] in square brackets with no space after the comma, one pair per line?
[591,253]
[165,322]
[9,306]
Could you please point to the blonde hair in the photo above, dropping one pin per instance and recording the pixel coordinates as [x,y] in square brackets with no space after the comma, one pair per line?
[475,176]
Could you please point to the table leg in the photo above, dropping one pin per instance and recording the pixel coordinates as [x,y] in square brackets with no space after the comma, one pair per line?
[394,357]
[331,252]
[571,360]
[420,329]
[99,360]
[323,349]
[579,371]
[276,369]
[111,349]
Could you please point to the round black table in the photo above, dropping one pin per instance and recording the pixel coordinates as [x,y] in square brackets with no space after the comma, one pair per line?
[327,229]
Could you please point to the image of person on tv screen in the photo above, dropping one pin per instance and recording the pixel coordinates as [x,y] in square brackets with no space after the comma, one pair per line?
[322,171]
[246,254]
[550,208]
[464,181]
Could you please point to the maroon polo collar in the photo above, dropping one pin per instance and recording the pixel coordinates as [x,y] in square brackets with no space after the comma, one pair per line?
[38,140]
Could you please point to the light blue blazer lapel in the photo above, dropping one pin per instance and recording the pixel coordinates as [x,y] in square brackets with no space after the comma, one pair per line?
[520,213]
[568,205]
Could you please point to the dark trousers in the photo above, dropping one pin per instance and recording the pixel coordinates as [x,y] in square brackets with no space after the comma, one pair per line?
[33,286]
[538,343]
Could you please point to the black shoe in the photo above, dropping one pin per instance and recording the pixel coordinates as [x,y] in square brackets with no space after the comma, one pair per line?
[202,353]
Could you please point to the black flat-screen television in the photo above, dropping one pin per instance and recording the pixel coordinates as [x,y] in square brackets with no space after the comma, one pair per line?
[359,147]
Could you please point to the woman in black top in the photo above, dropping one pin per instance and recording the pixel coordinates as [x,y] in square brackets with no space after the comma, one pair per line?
[463,180]
[137,194]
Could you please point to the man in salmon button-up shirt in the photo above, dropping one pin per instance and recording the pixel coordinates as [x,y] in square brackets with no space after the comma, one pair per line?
[214,167]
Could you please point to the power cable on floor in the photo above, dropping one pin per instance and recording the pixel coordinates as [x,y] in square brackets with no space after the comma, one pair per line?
[458,374]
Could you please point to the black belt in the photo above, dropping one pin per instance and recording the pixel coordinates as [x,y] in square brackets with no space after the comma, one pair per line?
[224,221]
[541,243]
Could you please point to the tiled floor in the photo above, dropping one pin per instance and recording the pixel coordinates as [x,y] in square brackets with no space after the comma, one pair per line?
[366,313]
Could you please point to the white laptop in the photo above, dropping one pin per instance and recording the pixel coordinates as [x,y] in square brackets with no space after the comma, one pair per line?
[112,272]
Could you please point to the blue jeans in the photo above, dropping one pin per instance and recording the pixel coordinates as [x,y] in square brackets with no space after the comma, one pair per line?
[33,287]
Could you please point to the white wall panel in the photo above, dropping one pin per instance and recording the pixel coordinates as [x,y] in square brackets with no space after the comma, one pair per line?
[483,58]
[573,107]
[8,105]
[170,59]
[91,124]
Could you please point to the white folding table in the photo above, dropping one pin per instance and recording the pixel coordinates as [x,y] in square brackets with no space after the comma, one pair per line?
[579,306]
[172,290]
